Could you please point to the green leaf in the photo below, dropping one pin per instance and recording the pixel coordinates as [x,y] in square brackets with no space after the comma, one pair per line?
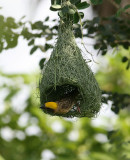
[53,9]
[118,1]
[82,5]
[11,23]
[97,46]
[47,18]
[48,46]
[128,65]
[56,6]
[81,14]
[71,11]
[31,42]
[95,2]
[76,18]
[49,37]
[58,2]
[53,2]
[22,18]
[124,59]
[104,53]
[45,48]
[1,46]
[1,18]
[75,1]
[104,47]
[121,10]
[12,40]
[65,9]
[127,6]
[33,49]
[41,63]
[60,14]
[38,25]
[91,30]
[26,34]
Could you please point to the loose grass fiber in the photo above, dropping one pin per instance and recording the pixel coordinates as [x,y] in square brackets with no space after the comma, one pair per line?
[66,72]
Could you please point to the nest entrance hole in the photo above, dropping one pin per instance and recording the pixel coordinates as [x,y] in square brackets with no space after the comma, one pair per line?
[59,92]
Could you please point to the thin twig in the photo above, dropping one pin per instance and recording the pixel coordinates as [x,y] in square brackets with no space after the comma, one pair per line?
[82,42]
[124,40]
[114,4]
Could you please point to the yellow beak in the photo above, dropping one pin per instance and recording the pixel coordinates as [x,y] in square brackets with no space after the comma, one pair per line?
[51,105]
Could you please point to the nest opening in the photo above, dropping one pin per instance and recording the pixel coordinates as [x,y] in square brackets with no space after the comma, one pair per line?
[60,92]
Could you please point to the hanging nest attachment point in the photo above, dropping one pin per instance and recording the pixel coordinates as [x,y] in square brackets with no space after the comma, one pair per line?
[67,79]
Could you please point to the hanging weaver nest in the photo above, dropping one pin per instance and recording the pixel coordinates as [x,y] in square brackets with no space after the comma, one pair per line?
[67,79]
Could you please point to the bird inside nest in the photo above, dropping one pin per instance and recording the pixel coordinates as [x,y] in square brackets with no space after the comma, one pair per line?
[64,105]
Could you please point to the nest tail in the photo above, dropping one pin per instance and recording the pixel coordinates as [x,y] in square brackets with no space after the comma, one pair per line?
[65,73]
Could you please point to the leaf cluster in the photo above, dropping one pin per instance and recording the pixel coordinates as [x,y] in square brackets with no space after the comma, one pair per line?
[69,9]
[119,101]
[110,32]
[8,38]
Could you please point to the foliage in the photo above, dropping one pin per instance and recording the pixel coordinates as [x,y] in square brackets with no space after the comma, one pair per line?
[121,10]
[115,78]
[8,38]
[30,132]
[109,32]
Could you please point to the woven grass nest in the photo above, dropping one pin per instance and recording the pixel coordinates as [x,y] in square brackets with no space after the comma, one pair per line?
[67,74]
